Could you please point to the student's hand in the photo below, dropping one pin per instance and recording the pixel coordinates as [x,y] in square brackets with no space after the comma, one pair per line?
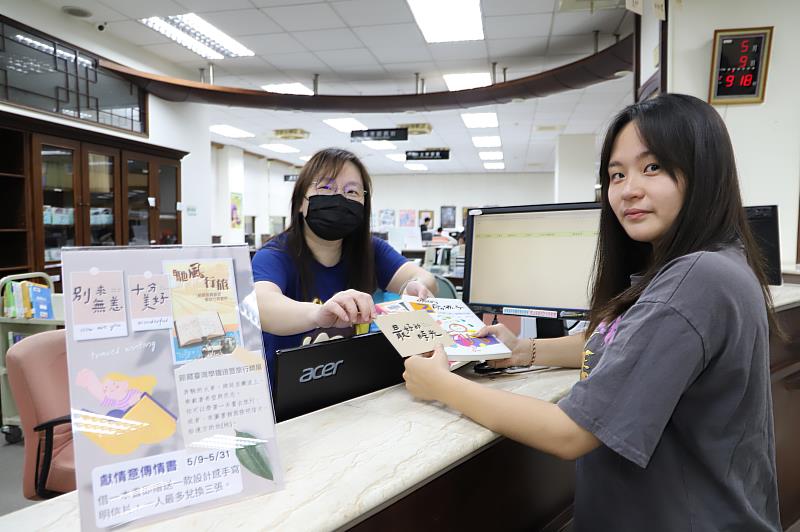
[425,374]
[519,355]
[344,309]
[418,289]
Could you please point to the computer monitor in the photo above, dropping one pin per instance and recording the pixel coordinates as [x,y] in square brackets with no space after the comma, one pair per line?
[314,376]
[534,260]
[764,225]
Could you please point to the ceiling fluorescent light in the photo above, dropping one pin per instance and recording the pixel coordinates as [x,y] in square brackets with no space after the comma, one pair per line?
[416,166]
[279,148]
[230,131]
[491,155]
[288,88]
[345,125]
[379,144]
[305,158]
[198,35]
[460,82]
[491,141]
[494,166]
[399,157]
[478,120]
[464,21]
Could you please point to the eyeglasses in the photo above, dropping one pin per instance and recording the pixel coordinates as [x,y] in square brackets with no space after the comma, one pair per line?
[328,187]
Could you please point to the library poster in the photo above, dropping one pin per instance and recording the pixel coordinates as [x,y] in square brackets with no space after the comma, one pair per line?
[204,308]
[155,437]
[408,218]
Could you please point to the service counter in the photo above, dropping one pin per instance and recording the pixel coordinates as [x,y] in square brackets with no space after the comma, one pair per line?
[387,462]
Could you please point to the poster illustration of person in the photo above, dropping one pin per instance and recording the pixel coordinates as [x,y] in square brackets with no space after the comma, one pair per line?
[236,210]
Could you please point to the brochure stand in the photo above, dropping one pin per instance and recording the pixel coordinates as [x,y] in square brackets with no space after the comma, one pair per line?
[171,408]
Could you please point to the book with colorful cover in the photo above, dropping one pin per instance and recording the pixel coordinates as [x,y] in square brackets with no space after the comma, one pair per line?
[456,318]
[41,301]
[14,337]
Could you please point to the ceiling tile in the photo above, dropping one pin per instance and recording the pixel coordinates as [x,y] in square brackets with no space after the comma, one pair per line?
[100,13]
[491,8]
[343,58]
[298,62]
[273,3]
[583,22]
[245,65]
[242,22]
[135,32]
[336,39]
[423,67]
[171,52]
[305,17]
[520,46]
[390,35]
[373,12]
[145,8]
[272,43]
[203,6]
[517,26]
[397,54]
[571,44]
[451,51]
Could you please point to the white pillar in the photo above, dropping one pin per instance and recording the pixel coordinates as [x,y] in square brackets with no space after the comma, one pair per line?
[575,169]
[230,179]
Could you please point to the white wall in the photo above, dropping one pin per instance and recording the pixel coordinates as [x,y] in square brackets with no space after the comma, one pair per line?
[430,192]
[766,137]
[174,125]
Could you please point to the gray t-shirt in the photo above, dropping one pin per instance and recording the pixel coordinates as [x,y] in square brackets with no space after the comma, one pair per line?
[677,389]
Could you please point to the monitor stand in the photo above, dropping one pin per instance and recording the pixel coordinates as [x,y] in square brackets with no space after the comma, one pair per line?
[550,328]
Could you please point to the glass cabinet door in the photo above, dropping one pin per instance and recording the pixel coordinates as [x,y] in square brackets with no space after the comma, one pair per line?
[101,197]
[137,190]
[58,199]
[168,193]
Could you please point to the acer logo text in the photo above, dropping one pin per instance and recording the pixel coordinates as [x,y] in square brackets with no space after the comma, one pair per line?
[320,372]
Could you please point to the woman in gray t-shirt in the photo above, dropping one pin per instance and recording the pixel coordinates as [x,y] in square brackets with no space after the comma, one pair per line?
[671,422]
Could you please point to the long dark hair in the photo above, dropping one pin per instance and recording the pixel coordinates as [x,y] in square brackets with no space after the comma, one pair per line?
[357,251]
[688,138]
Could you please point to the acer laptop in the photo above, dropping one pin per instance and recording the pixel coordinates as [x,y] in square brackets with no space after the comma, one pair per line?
[314,376]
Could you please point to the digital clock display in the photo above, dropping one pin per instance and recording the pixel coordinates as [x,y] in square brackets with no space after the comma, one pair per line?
[739,65]
[738,72]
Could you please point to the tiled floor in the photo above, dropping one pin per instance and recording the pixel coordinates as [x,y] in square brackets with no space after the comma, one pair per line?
[11,478]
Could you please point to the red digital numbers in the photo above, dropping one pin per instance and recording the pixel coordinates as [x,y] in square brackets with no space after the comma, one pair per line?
[744,47]
[746,81]
[743,61]
[729,79]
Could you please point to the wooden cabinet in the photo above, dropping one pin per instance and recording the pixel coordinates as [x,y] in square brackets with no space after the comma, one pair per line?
[65,186]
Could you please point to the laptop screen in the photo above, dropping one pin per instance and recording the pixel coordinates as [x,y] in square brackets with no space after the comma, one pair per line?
[314,376]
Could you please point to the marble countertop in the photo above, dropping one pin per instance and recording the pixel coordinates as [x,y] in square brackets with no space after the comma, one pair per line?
[785,296]
[342,463]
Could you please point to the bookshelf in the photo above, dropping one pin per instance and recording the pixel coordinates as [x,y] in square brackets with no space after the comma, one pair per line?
[15,226]
[9,415]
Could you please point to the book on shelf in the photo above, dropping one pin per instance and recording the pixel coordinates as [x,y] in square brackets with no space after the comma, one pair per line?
[26,299]
[14,337]
[194,328]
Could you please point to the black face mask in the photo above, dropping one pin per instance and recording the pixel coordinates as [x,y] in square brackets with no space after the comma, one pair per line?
[333,217]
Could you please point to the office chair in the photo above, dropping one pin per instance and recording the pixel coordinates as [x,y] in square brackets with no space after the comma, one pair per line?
[445,288]
[37,373]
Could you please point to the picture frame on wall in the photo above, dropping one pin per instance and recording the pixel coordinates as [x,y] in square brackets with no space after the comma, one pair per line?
[427,214]
[448,216]
[407,218]
[386,218]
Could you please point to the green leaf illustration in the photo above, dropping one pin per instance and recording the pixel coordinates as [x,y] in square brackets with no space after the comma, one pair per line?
[254,457]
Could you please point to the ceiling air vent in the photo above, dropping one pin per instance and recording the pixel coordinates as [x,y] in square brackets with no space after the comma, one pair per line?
[417,129]
[290,134]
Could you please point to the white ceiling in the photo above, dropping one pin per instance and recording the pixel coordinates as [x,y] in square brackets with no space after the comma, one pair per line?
[375,47]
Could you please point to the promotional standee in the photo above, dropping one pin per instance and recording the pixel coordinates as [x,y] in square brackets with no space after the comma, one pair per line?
[171,408]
